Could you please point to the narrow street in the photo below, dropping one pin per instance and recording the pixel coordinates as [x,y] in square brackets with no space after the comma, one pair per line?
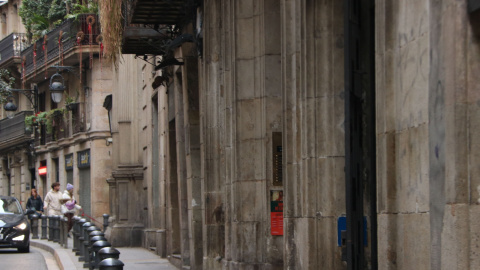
[36,259]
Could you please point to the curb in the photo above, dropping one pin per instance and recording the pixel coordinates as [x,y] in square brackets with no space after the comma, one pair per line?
[58,254]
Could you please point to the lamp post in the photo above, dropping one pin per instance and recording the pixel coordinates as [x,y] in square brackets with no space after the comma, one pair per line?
[57,87]
[31,94]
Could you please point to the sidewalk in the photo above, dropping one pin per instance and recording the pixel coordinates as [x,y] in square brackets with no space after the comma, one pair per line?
[134,258]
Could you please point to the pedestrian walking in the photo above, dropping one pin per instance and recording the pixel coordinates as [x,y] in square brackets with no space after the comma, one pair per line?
[52,200]
[69,205]
[35,202]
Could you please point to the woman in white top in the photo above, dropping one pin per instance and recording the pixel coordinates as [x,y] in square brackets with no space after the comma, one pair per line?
[69,205]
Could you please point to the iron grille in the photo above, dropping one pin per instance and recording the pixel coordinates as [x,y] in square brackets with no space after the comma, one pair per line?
[69,29]
[11,47]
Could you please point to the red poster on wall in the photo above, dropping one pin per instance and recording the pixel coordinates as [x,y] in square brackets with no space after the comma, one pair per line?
[276,212]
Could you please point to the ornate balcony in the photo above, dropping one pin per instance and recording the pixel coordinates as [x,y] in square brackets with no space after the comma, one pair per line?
[10,49]
[157,12]
[141,38]
[13,132]
[473,6]
[62,43]
[63,127]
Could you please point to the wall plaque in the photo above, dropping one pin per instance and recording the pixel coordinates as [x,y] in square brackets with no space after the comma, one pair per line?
[83,159]
[69,162]
[277,158]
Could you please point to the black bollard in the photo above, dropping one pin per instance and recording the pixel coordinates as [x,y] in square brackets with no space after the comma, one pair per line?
[93,255]
[65,232]
[50,228]
[81,239]
[44,226]
[86,244]
[105,222]
[95,233]
[34,226]
[111,264]
[108,252]
[86,238]
[56,228]
[60,231]
[74,231]
[95,249]
[89,230]
[77,234]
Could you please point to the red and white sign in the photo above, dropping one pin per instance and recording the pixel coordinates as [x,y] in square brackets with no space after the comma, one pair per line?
[42,170]
[276,212]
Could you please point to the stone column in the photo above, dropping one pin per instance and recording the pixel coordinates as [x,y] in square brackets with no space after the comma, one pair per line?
[215,115]
[313,152]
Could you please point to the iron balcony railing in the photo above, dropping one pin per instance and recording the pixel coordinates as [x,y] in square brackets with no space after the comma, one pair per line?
[11,47]
[156,12]
[62,127]
[60,41]
[13,131]
[149,36]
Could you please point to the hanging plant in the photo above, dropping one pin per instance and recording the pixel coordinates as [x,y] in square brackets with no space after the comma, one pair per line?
[36,120]
[48,119]
[77,9]
[99,41]
[111,23]
[6,82]
[53,117]
[71,103]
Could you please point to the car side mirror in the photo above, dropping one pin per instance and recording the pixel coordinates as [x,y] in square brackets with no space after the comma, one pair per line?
[29,212]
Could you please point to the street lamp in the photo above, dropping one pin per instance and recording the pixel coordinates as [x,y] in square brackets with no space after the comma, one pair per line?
[57,87]
[31,94]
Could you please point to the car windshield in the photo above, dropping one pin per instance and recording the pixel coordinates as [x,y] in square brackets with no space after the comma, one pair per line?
[10,206]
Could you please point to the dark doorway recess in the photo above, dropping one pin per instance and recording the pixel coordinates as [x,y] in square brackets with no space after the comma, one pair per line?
[360,136]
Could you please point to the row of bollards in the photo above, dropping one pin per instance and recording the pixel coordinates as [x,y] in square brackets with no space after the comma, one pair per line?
[89,242]
[56,226]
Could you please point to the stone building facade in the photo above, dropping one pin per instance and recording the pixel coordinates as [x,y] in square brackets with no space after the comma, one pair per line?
[76,146]
[360,109]
[289,135]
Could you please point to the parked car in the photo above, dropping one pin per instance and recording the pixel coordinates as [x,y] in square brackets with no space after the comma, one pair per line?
[14,225]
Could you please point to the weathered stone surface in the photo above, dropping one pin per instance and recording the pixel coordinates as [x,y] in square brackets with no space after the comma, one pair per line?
[249,202]
[403,240]
[473,234]
[248,112]
[247,244]
[330,188]
[329,129]
[474,153]
[455,233]
[327,254]
[411,185]
[250,160]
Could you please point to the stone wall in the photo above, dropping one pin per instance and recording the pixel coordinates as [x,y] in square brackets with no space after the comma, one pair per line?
[278,67]
[427,108]
[403,64]
[312,71]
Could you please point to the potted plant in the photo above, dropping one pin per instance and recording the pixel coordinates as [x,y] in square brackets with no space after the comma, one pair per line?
[36,120]
[71,103]
[89,7]
[53,117]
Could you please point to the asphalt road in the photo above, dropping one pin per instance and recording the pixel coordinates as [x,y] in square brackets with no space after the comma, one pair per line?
[37,259]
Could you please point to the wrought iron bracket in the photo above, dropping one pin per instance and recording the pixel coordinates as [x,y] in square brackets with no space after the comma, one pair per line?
[146,59]
[69,69]
[31,94]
